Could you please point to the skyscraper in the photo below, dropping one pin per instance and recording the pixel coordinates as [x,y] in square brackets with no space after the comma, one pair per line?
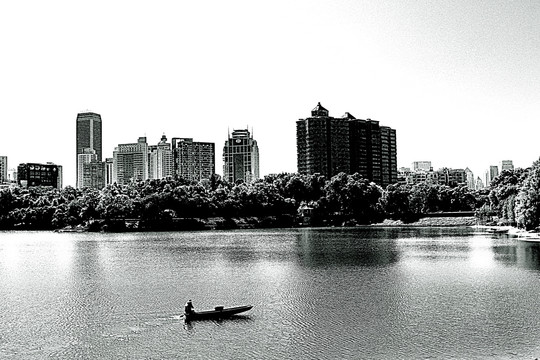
[88,134]
[240,157]
[160,160]
[329,145]
[3,169]
[194,161]
[130,162]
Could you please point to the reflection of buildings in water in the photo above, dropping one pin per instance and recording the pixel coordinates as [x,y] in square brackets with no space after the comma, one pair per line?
[360,247]
[521,253]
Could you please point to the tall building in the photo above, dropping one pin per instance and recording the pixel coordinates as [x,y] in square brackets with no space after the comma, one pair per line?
[322,143]
[109,162]
[160,160]
[507,165]
[491,174]
[34,174]
[93,175]
[329,145]
[240,157]
[3,169]
[194,161]
[470,178]
[88,155]
[88,134]
[130,162]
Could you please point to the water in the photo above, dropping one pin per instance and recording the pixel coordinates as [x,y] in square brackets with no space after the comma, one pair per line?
[317,294]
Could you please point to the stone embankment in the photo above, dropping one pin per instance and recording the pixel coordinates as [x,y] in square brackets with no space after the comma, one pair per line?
[434,221]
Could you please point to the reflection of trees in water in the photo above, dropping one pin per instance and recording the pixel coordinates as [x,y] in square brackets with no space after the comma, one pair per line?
[363,247]
[522,253]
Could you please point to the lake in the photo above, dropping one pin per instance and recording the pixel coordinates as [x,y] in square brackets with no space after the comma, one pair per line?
[343,293]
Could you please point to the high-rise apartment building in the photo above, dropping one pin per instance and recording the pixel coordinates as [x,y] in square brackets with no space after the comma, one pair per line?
[240,157]
[34,174]
[93,175]
[88,155]
[491,174]
[329,145]
[194,161]
[160,160]
[3,169]
[130,162]
[88,132]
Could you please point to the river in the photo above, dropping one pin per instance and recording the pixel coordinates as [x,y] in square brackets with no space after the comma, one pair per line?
[351,293]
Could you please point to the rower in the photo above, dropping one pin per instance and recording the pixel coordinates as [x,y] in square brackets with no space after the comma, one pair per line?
[188,308]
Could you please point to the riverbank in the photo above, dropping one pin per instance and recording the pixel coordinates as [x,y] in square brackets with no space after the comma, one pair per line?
[433,221]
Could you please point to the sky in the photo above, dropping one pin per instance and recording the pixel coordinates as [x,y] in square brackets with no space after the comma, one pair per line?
[458,80]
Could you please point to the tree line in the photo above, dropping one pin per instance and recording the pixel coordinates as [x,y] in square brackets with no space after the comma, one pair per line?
[514,197]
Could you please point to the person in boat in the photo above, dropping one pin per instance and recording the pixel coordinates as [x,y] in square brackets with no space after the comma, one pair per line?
[188,308]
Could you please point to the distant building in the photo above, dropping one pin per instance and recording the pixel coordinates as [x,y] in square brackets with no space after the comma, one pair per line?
[491,174]
[507,165]
[3,169]
[88,155]
[422,165]
[109,162]
[329,145]
[470,178]
[93,175]
[160,160]
[130,162]
[193,161]
[240,157]
[88,136]
[34,174]
[479,184]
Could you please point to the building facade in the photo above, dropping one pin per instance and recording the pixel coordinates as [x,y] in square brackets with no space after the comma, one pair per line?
[3,169]
[491,174]
[329,145]
[130,162]
[507,165]
[89,136]
[160,160]
[240,157]
[34,174]
[193,161]
[93,175]
[109,163]
[87,156]
[421,165]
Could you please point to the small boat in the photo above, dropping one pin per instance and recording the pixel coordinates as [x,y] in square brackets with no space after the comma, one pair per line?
[219,312]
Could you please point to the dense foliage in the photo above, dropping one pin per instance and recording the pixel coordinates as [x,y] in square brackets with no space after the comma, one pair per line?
[514,197]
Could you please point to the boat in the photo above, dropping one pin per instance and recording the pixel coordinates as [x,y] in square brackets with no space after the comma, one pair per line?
[219,312]
[497,230]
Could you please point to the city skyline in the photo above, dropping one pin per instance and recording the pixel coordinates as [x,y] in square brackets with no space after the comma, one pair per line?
[459,82]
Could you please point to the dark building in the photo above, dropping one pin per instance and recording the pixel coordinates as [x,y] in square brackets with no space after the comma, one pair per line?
[194,161]
[32,174]
[88,137]
[330,145]
[94,175]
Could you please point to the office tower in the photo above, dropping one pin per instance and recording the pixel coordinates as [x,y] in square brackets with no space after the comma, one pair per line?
[87,156]
[479,184]
[130,162]
[93,175]
[109,171]
[470,178]
[3,169]
[421,165]
[491,174]
[240,157]
[328,146]
[88,133]
[507,165]
[34,174]
[194,161]
[322,143]
[160,160]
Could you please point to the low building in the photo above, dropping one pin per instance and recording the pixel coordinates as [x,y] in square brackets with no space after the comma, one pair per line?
[34,174]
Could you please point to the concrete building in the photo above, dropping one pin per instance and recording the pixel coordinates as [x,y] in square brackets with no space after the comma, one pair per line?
[34,174]
[88,155]
[240,157]
[88,136]
[93,175]
[421,165]
[470,178]
[130,162]
[479,184]
[3,169]
[194,161]
[491,174]
[507,165]
[329,145]
[109,163]
[160,160]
